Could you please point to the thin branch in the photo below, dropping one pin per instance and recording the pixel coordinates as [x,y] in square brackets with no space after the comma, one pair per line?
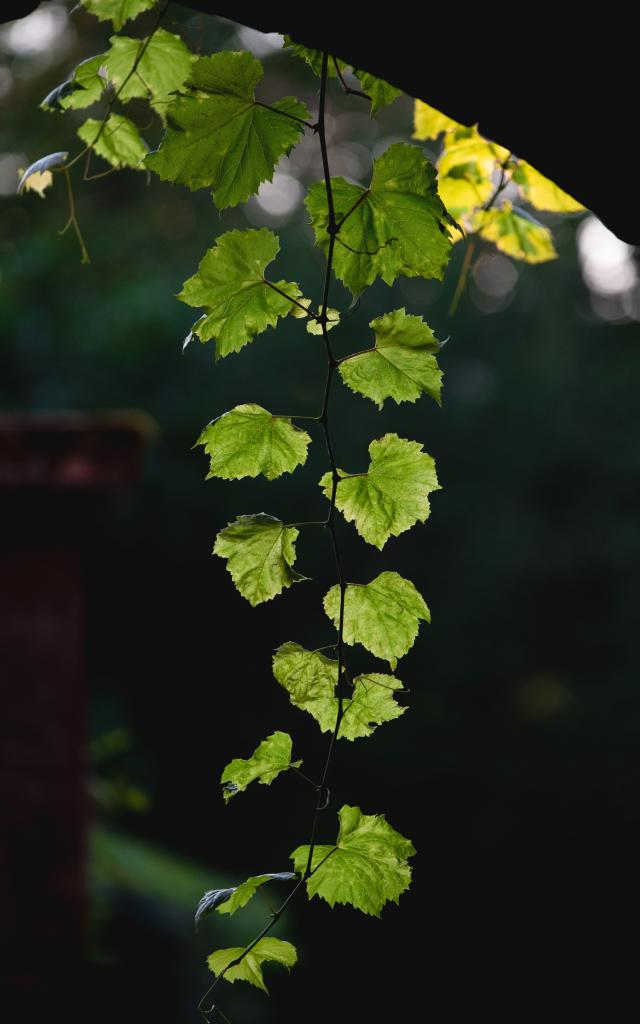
[290,298]
[360,199]
[347,88]
[73,220]
[283,113]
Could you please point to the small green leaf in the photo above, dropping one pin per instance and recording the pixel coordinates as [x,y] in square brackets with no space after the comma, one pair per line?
[260,551]
[313,327]
[163,68]
[396,226]
[310,680]
[230,284]
[383,616]
[248,441]
[380,93]
[83,88]
[313,58]
[543,193]
[269,759]
[392,496]
[220,136]
[250,967]
[515,234]
[117,11]
[429,123]
[367,867]
[244,892]
[119,142]
[402,365]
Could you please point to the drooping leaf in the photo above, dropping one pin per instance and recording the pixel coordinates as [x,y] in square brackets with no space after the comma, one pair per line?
[211,901]
[516,234]
[118,142]
[83,88]
[543,193]
[396,226]
[248,441]
[467,146]
[380,93]
[429,123]
[117,11]
[37,182]
[384,615]
[249,969]
[402,365]
[367,867]
[231,285]
[392,496]
[310,678]
[220,136]
[314,58]
[51,162]
[269,759]
[227,901]
[464,189]
[162,68]
[260,552]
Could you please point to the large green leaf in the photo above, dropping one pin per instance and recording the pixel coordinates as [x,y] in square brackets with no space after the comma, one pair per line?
[164,66]
[117,11]
[220,136]
[248,441]
[396,226]
[543,193]
[392,496]
[260,552]
[249,969]
[384,615]
[239,302]
[269,759]
[367,867]
[309,677]
[516,234]
[118,142]
[402,364]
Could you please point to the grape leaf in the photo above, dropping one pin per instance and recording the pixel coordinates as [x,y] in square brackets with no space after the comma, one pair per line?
[230,284]
[380,93]
[314,58]
[260,551]
[543,193]
[402,365]
[366,868]
[429,123]
[84,87]
[117,11]
[53,161]
[383,616]
[248,441]
[464,189]
[250,967]
[515,234]
[396,226]
[219,135]
[464,146]
[313,327]
[310,680]
[38,181]
[240,896]
[269,759]
[164,66]
[119,142]
[392,496]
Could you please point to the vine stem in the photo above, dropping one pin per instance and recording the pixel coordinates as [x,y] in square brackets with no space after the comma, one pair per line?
[328,523]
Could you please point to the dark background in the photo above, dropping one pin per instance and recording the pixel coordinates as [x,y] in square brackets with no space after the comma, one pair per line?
[516,770]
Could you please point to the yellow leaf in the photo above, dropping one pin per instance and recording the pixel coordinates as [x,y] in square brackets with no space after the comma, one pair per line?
[428,122]
[543,193]
[36,182]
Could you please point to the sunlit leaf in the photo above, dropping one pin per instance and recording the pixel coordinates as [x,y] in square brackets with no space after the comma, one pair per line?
[248,441]
[249,969]
[38,181]
[313,58]
[543,193]
[51,162]
[260,552]
[367,867]
[85,87]
[516,234]
[313,327]
[118,142]
[240,896]
[269,759]
[466,146]
[117,11]
[163,66]
[429,123]
[380,93]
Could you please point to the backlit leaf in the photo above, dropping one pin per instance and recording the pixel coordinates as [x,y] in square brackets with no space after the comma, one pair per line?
[543,193]
[248,441]
[117,11]
[384,615]
[269,759]
[260,552]
[515,234]
[118,142]
[402,365]
[367,867]
[429,123]
[380,93]
[85,87]
[51,162]
[392,496]
[230,284]
[241,894]
[164,66]
[249,969]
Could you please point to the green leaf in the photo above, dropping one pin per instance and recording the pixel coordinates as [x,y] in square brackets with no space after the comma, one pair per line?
[260,551]
[313,327]
[464,146]
[119,142]
[380,93]
[85,87]
[464,189]
[117,11]
[248,441]
[313,58]
[164,66]
[515,234]
[367,867]
[230,284]
[269,759]
[219,136]
[310,680]
[402,365]
[392,496]
[244,892]
[250,967]
[543,193]
[383,616]
[429,123]
[397,227]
